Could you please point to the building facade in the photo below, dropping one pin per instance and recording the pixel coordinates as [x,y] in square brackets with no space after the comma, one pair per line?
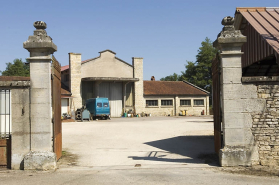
[122,83]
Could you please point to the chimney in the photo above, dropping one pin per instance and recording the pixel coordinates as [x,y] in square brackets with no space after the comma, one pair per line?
[152,78]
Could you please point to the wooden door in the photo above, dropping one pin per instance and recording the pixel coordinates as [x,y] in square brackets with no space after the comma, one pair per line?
[56,107]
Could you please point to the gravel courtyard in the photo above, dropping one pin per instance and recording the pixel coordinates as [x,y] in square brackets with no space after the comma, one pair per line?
[151,150]
[145,142]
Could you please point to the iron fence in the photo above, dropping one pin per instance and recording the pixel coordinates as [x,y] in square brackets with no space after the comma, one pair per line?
[5,113]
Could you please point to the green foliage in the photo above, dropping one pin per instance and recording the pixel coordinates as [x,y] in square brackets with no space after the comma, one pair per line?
[17,68]
[199,72]
[174,77]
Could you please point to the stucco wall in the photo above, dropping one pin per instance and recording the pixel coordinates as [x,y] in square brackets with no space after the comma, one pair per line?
[107,65]
[193,109]
[176,108]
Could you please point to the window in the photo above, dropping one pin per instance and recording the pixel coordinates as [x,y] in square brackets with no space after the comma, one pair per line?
[166,102]
[105,104]
[185,102]
[199,102]
[151,103]
[99,104]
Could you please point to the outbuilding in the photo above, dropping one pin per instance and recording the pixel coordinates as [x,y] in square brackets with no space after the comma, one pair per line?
[122,83]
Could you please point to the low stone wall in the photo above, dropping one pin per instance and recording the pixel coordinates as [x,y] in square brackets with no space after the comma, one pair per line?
[20,117]
[265,127]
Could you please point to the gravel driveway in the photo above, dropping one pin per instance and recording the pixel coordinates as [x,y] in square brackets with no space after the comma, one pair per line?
[145,142]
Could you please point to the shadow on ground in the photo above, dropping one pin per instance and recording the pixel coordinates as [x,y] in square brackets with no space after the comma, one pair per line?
[183,149]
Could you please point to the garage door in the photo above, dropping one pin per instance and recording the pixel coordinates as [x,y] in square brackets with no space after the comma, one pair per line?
[112,91]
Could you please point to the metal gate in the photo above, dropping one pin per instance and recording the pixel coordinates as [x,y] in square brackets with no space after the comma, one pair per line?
[217,103]
[5,127]
[56,107]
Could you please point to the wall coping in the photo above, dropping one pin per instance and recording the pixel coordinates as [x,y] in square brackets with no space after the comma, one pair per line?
[252,79]
[14,84]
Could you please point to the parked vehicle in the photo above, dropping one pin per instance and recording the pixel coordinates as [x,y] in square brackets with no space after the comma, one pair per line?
[98,108]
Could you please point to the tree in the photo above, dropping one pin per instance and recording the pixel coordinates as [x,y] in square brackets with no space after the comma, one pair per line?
[199,72]
[174,77]
[18,68]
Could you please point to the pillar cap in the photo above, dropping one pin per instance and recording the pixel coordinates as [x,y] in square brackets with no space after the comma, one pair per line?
[229,35]
[40,40]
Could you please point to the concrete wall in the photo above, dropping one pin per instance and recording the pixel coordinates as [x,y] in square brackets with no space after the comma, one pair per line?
[107,65]
[176,108]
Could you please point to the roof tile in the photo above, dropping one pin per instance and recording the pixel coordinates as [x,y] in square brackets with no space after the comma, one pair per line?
[170,88]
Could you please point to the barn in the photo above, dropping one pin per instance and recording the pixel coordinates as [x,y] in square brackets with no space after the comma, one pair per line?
[122,83]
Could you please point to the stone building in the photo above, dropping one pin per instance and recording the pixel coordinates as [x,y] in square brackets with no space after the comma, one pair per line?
[249,88]
[122,83]
[172,97]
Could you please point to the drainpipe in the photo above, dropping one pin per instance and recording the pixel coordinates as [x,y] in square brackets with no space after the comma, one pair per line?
[174,105]
[124,96]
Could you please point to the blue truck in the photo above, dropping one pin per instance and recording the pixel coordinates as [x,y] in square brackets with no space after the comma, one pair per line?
[98,108]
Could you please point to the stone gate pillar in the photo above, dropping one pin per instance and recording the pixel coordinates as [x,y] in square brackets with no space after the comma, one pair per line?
[236,150]
[40,46]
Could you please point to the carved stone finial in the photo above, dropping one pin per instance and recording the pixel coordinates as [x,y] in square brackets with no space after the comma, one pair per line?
[40,25]
[228,33]
[228,21]
[40,39]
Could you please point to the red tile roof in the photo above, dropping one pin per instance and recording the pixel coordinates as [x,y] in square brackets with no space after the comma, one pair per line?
[63,68]
[171,88]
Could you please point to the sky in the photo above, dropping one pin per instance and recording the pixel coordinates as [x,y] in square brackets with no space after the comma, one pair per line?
[166,33]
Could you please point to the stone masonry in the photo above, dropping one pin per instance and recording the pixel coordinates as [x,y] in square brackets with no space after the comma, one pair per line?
[20,109]
[250,107]
[265,124]
[40,46]
[138,73]
[75,78]
[237,143]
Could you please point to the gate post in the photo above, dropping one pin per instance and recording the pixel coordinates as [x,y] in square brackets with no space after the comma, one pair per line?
[235,151]
[40,46]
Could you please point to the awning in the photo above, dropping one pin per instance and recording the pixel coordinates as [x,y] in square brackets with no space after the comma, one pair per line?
[117,79]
